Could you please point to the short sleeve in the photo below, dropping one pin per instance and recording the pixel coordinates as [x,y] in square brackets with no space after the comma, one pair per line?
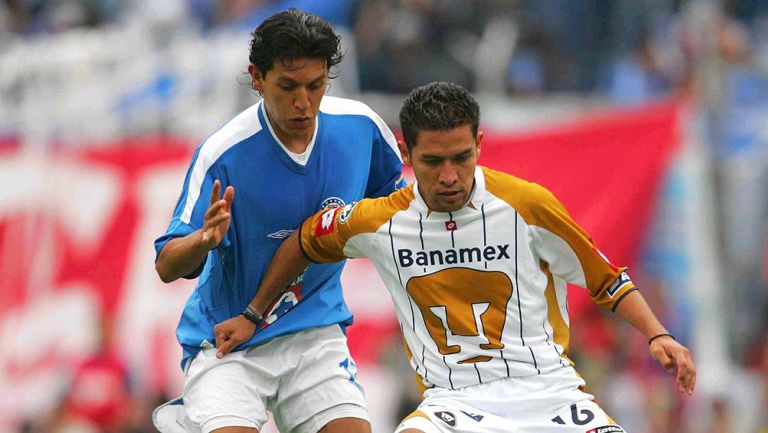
[386,173]
[573,255]
[189,213]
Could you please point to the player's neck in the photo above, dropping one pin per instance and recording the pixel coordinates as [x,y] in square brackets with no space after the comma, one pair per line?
[295,143]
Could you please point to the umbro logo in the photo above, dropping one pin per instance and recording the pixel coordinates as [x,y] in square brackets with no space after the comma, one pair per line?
[280,234]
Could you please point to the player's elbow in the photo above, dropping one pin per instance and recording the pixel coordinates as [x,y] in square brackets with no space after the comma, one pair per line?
[164,273]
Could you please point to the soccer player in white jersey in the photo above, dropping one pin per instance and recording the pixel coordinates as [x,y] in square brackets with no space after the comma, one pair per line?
[477,262]
[250,184]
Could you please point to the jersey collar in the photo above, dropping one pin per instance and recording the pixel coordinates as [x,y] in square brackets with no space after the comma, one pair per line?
[476,199]
[288,153]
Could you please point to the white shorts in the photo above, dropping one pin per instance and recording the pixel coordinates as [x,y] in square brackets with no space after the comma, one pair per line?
[551,402]
[305,379]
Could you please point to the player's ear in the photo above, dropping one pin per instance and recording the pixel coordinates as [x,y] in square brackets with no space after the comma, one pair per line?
[479,139]
[256,78]
[404,153]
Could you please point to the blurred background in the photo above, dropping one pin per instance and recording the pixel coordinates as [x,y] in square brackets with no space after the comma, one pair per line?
[648,118]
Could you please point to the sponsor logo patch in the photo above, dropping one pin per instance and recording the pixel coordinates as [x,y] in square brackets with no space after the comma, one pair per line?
[447,418]
[325,224]
[451,226]
[346,212]
[606,429]
[618,284]
[332,202]
[488,253]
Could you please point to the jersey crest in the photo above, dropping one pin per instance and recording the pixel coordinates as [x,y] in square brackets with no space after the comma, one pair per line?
[332,202]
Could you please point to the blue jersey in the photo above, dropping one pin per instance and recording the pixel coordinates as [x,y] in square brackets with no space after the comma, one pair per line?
[352,155]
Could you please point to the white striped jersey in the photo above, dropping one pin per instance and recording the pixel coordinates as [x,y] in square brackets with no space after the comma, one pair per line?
[480,293]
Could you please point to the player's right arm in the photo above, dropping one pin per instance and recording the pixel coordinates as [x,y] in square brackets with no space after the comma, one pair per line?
[183,256]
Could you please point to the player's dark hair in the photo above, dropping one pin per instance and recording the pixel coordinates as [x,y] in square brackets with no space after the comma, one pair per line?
[437,106]
[290,35]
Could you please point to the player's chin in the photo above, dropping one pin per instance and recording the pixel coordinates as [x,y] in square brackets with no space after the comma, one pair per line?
[449,206]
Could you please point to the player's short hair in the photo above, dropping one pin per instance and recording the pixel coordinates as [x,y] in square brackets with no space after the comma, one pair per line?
[437,106]
[291,35]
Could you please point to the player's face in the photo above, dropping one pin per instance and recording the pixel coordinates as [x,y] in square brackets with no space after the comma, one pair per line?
[292,95]
[444,164]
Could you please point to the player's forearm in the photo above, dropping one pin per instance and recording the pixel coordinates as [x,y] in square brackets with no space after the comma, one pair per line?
[636,311]
[287,263]
[181,257]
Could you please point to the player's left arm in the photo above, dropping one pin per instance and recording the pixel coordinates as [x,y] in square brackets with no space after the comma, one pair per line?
[673,356]
[609,286]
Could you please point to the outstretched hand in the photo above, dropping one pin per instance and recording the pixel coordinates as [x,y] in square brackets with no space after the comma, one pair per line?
[218,215]
[674,356]
[231,332]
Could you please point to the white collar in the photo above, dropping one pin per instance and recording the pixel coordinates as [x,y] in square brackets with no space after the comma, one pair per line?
[298,158]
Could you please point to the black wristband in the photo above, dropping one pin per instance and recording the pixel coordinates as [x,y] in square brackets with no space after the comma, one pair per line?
[660,335]
[252,315]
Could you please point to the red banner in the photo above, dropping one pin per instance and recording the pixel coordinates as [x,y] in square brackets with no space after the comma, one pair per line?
[607,171]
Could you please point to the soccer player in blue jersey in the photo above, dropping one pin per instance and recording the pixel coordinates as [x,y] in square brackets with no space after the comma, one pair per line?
[250,184]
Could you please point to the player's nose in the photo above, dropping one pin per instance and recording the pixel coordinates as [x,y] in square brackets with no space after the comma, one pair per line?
[301,100]
[448,174]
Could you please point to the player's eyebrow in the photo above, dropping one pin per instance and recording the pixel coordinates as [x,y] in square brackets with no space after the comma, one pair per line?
[439,157]
[463,154]
[286,80]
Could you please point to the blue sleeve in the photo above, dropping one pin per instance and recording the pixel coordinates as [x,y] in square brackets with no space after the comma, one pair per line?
[189,213]
[386,174]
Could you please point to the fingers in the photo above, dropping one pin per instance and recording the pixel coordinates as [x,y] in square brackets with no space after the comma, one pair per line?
[224,341]
[226,347]
[216,192]
[210,234]
[231,333]
[229,196]
[686,372]
[672,355]
[215,208]
[221,336]
[218,219]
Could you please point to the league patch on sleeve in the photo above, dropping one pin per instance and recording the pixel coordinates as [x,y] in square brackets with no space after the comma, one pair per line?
[325,224]
[346,212]
[618,284]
